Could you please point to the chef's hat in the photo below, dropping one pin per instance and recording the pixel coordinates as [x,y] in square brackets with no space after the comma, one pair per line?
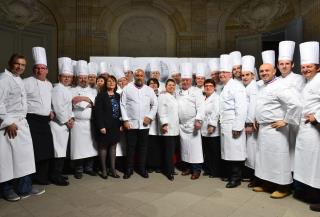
[225,63]
[155,66]
[65,66]
[104,68]
[248,63]
[92,68]
[39,56]
[309,52]
[214,64]
[268,57]
[139,64]
[286,50]
[235,58]
[173,68]
[82,67]
[201,70]
[126,65]
[186,70]
[117,71]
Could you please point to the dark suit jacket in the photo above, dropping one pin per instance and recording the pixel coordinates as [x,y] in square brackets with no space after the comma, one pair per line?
[103,111]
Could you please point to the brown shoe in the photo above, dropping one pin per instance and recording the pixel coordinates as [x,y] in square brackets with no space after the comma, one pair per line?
[265,187]
[186,172]
[195,175]
[280,194]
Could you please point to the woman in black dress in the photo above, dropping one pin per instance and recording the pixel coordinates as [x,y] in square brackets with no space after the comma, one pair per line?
[107,122]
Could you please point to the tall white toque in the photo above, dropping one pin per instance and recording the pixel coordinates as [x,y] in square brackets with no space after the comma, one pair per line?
[103,68]
[118,72]
[309,52]
[173,68]
[235,58]
[39,56]
[286,50]
[92,68]
[126,65]
[214,64]
[201,70]
[82,67]
[268,57]
[248,62]
[186,70]
[225,63]
[155,66]
[65,66]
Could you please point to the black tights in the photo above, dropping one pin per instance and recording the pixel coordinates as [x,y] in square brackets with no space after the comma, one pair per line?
[103,153]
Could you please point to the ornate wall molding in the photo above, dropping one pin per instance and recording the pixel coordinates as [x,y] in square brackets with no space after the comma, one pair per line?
[22,13]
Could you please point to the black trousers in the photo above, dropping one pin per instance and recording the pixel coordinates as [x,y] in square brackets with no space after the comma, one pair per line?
[137,139]
[57,165]
[235,170]
[42,172]
[155,152]
[212,156]
[169,144]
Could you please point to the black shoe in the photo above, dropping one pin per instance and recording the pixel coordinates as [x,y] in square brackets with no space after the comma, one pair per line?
[65,177]
[315,207]
[60,181]
[127,174]
[150,170]
[78,175]
[113,174]
[91,173]
[170,177]
[233,184]
[143,173]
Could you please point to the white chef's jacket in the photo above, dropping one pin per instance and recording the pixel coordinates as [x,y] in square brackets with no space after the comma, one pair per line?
[62,107]
[211,109]
[275,101]
[16,155]
[233,113]
[168,113]
[38,96]
[219,88]
[251,139]
[307,159]
[137,103]
[190,108]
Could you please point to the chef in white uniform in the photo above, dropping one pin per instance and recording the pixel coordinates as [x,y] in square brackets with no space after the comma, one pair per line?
[307,154]
[169,125]
[127,70]
[214,67]
[38,90]
[210,131]
[175,74]
[16,149]
[83,146]
[122,80]
[138,108]
[233,113]
[276,107]
[191,114]
[92,74]
[248,79]
[295,81]
[236,66]
[201,73]
[63,120]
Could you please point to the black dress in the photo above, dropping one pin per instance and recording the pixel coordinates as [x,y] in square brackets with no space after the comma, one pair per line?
[107,115]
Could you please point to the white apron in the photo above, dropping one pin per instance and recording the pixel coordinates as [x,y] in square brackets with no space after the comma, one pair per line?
[191,144]
[307,159]
[121,145]
[16,155]
[60,135]
[252,144]
[232,149]
[272,156]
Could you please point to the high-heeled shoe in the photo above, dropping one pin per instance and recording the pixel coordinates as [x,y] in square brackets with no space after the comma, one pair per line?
[103,176]
[113,174]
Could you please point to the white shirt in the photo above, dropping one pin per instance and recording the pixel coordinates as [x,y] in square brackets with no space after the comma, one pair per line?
[233,105]
[38,96]
[168,113]
[251,91]
[62,103]
[138,103]
[13,99]
[295,81]
[276,101]
[211,108]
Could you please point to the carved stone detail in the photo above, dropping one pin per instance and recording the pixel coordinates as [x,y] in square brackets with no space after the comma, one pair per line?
[22,12]
[259,14]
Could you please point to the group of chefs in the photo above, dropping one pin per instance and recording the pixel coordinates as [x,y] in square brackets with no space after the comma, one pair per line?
[215,117]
